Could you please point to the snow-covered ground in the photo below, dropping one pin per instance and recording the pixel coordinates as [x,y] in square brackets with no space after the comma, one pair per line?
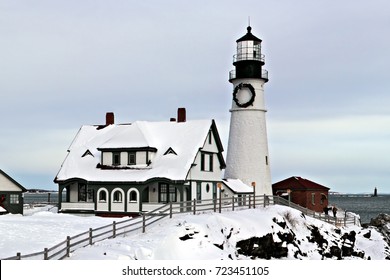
[41,228]
[209,236]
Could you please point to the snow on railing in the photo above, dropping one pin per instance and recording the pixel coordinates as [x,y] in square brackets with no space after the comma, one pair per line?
[63,249]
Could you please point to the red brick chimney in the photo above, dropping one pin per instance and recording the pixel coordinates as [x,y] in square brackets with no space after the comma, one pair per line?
[110,118]
[181,115]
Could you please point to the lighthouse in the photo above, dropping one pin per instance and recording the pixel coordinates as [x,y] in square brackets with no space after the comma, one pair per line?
[247,156]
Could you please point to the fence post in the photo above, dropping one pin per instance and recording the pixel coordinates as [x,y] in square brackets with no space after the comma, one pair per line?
[113,229]
[143,224]
[220,196]
[194,210]
[18,255]
[254,194]
[232,203]
[215,204]
[220,204]
[250,201]
[265,200]
[68,246]
[170,209]
[90,236]
[45,254]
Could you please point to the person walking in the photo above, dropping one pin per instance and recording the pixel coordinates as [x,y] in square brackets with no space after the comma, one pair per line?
[334,210]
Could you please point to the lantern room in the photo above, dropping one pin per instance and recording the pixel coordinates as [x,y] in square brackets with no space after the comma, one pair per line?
[248,60]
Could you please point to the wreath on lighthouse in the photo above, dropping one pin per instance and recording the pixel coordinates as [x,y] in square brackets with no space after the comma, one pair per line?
[250,101]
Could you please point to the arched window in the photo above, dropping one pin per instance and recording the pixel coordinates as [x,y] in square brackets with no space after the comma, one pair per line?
[117,196]
[133,196]
[102,196]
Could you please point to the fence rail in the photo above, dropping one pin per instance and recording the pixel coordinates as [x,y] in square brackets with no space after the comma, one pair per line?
[63,249]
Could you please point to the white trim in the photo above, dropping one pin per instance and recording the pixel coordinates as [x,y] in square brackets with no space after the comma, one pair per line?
[133,205]
[118,206]
[102,205]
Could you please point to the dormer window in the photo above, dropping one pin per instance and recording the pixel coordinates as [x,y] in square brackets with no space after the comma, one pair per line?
[132,159]
[126,158]
[116,158]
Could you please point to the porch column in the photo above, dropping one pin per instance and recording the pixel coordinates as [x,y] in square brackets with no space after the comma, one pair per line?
[141,193]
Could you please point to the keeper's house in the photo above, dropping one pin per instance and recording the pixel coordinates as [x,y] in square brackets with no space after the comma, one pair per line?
[127,169]
[11,195]
[303,192]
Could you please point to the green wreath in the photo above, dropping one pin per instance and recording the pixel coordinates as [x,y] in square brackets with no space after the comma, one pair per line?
[239,87]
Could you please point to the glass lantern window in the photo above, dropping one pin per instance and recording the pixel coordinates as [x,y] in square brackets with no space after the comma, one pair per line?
[248,50]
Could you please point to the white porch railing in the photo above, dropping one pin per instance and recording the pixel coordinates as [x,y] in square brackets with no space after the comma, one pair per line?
[77,206]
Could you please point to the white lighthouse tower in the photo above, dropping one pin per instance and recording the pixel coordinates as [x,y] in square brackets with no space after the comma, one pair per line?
[247,153]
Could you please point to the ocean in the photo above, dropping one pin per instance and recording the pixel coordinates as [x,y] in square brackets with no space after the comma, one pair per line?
[364,205]
[40,197]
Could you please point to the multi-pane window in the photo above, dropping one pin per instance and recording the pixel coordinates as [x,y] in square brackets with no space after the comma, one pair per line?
[172,194]
[14,199]
[163,192]
[84,193]
[167,193]
[132,160]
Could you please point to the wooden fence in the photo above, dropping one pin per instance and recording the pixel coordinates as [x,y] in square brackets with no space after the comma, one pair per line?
[63,249]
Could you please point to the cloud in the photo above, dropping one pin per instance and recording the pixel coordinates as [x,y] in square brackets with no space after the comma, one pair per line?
[347,152]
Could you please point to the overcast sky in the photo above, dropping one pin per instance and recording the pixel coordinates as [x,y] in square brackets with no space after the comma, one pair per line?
[66,63]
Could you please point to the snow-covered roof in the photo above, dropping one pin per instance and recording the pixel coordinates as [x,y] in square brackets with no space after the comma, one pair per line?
[237,186]
[297,182]
[185,138]
[7,183]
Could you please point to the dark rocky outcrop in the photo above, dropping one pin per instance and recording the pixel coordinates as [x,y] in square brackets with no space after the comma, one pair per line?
[262,247]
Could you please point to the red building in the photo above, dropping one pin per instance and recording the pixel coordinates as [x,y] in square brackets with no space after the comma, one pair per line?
[303,192]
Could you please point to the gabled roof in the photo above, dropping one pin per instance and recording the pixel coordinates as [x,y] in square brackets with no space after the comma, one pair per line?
[297,182]
[9,178]
[185,138]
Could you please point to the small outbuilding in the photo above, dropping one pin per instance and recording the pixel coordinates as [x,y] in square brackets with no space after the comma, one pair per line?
[11,195]
[303,192]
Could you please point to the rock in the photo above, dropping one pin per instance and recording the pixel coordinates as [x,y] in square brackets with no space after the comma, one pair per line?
[262,247]
[381,220]
[335,252]
[367,234]
[317,237]
[186,237]
[382,223]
